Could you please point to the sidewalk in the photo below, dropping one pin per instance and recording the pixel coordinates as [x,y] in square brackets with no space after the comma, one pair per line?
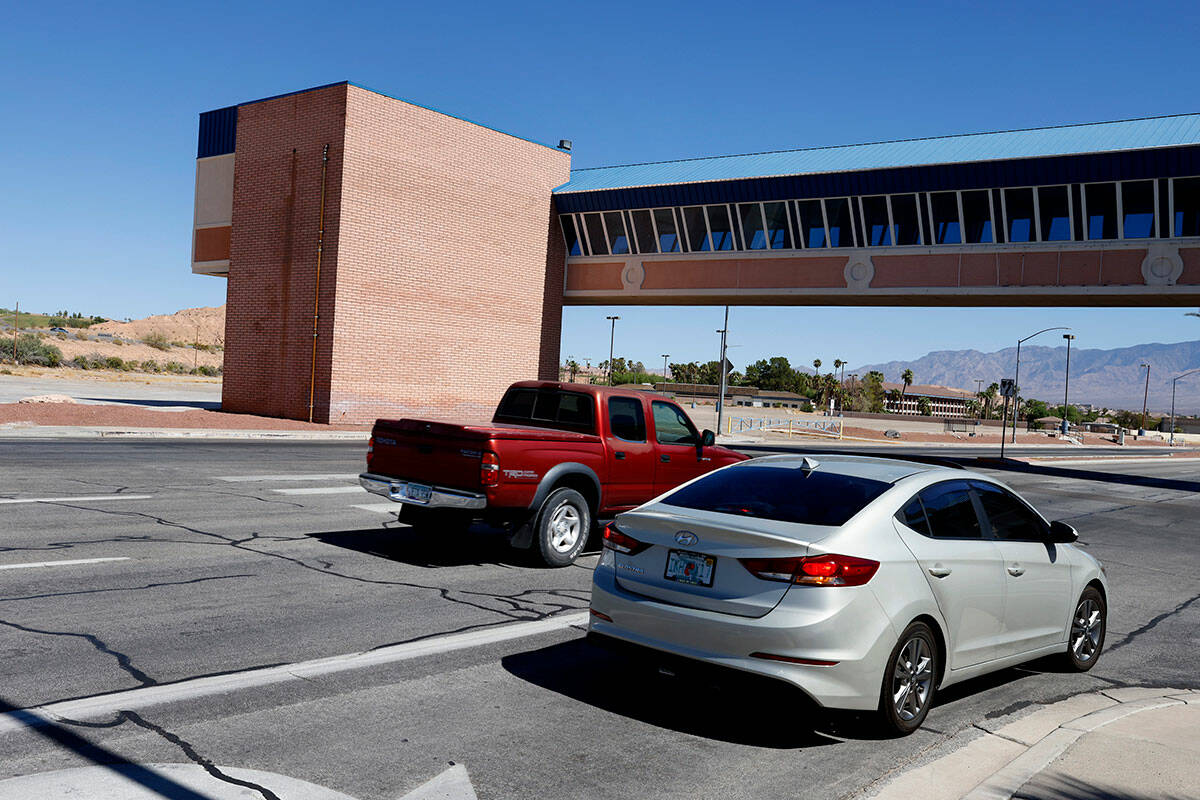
[1117,744]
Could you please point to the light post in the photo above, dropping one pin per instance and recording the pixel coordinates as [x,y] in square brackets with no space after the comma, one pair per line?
[979,391]
[611,338]
[721,389]
[665,357]
[1173,381]
[1017,377]
[1067,381]
[1145,399]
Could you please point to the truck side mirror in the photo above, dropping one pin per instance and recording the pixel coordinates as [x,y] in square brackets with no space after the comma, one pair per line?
[1061,532]
[708,438]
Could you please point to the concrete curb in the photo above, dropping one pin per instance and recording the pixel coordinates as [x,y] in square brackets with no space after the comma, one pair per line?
[996,765]
[81,432]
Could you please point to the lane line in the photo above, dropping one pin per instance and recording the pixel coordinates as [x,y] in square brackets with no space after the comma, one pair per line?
[323,490]
[332,476]
[133,699]
[65,563]
[386,508]
[90,499]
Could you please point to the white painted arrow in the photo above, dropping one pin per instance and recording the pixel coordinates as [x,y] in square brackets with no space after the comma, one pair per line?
[453,784]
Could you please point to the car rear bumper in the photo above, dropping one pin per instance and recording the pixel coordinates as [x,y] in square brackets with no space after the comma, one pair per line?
[849,629]
[398,490]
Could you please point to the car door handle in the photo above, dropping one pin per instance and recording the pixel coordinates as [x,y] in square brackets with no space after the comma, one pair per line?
[1016,570]
[938,571]
[663,457]
[619,456]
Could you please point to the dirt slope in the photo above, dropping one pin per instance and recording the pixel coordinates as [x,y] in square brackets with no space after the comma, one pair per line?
[206,325]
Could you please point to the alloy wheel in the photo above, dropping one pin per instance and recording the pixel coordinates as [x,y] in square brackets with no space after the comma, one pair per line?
[565,525]
[1087,628]
[912,678]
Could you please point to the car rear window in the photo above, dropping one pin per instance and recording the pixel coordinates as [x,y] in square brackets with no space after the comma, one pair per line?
[546,408]
[787,494]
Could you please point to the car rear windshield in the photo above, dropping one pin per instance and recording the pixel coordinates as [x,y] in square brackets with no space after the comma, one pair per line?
[547,408]
[787,494]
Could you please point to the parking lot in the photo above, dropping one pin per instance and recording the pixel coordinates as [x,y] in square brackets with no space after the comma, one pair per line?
[168,561]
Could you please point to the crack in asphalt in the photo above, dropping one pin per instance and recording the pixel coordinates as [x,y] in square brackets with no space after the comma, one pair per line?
[128,588]
[123,661]
[1153,623]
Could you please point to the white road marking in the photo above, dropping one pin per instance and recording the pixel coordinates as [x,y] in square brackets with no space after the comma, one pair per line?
[452,784]
[349,476]
[386,508]
[91,499]
[323,490]
[133,699]
[1101,461]
[156,781]
[66,563]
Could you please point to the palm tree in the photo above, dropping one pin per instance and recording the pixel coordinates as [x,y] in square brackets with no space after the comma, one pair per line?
[907,377]
[817,365]
[573,368]
[839,364]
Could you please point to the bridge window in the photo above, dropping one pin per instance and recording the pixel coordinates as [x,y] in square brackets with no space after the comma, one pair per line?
[841,224]
[618,242]
[977,217]
[1018,214]
[944,211]
[593,228]
[752,226]
[812,223]
[668,233]
[779,232]
[643,231]
[1185,202]
[574,243]
[1054,213]
[1100,210]
[1137,209]
[696,229]
[875,220]
[905,222]
[721,227]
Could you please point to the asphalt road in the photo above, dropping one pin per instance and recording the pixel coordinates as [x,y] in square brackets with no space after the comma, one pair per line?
[224,576]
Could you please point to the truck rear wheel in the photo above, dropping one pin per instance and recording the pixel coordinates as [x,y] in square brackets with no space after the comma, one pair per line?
[562,527]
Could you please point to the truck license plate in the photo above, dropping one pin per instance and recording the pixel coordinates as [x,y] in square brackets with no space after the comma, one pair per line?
[418,493]
[694,568]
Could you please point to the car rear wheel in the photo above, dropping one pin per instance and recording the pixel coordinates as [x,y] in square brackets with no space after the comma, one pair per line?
[909,681]
[562,527]
[1088,625]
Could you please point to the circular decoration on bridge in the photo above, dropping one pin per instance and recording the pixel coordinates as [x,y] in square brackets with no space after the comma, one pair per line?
[859,272]
[1162,265]
[633,275]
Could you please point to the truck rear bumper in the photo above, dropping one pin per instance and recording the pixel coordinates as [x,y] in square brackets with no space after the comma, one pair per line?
[420,494]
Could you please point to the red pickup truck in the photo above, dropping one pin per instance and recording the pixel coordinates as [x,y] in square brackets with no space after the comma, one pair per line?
[556,457]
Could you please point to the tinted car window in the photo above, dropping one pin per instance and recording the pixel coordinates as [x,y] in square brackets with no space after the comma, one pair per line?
[787,494]
[626,419]
[950,512]
[671,425]
[1009,518]
[913,515]
[546,408]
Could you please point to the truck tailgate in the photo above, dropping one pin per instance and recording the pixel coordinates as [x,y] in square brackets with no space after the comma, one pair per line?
[435,453]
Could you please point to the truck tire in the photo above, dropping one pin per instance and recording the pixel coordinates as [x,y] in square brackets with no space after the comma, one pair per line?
[562,527]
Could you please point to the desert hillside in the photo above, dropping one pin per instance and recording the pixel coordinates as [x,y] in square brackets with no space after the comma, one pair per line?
[203,325]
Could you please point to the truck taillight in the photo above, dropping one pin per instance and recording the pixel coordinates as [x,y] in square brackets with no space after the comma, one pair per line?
[370,451]
[489,469]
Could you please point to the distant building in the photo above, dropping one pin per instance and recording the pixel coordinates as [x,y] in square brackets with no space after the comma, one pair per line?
[943,401]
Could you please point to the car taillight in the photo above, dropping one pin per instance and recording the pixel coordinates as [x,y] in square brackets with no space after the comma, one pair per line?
[489,469]
[622,543]
[825,570]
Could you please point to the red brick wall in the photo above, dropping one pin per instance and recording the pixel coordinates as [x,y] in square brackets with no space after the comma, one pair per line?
[450,267]
[273,254]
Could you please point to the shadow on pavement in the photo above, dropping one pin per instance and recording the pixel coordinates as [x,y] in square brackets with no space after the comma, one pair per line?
[1067,787]
[203,405]
[1084,474]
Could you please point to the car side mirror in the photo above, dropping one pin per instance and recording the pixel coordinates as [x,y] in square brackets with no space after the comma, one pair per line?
[1062,533]
[708,438]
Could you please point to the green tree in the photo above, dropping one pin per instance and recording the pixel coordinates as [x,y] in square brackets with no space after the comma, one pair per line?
[923,407]
[873,392]
[907,377]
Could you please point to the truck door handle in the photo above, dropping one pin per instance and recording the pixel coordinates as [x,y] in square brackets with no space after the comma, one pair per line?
[664,457]
[620,456]
[938,571]
[1016,570]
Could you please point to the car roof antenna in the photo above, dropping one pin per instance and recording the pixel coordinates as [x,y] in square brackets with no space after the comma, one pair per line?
[808,465]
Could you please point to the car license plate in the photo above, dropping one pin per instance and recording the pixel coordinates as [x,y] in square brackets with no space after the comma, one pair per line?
[694,568]
[418,493]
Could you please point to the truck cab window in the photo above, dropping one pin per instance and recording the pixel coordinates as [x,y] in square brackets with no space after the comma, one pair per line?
[626,419]
[671,425]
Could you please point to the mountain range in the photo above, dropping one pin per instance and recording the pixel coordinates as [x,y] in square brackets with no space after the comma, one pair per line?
[1107,378]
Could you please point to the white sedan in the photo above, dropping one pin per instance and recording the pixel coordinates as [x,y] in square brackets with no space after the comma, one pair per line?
[869,583]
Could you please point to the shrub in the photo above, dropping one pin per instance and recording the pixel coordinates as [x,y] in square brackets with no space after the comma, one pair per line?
[205,370]
[150,365]
[62,336]
[115,362]
[176,368]
[806,407]
[31,350]
[156,340]
[80,362]
[57,322]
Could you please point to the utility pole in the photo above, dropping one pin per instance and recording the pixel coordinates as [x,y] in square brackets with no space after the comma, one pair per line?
[978,400]
[665,357]
[1145,400]
[16,329]
[721,390]
[611,338]
[1067,382]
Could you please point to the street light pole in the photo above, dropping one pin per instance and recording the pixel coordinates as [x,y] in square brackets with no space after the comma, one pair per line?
[721,389]
[665,357]
[1017,377]
[611,338]
[1067,381]
[1145,400]
[1173,381]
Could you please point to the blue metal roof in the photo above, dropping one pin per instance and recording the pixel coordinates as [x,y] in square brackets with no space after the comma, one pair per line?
[1098,137]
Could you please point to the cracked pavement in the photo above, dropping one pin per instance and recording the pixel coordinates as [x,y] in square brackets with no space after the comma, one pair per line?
[224,579]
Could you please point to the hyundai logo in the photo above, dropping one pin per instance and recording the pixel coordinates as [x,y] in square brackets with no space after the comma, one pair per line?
[686,538]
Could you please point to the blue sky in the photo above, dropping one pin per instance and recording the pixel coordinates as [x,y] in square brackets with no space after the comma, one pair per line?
[100,105]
